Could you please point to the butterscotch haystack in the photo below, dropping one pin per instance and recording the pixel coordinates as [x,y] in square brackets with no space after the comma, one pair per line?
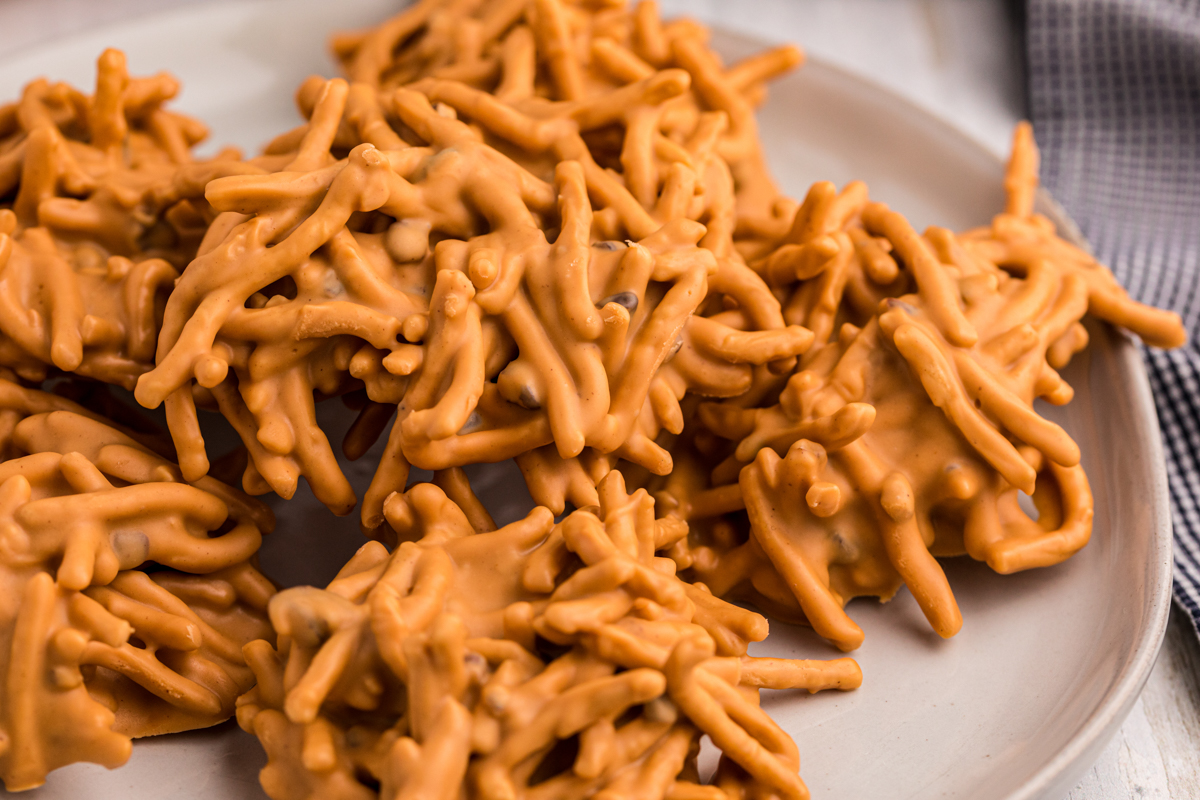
[539,660]
[93,227]
[541,230]
[450,282]
[671,100]
[909,433]
[126,595]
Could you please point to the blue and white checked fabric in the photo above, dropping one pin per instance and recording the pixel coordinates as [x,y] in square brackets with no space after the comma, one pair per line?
[1114,88]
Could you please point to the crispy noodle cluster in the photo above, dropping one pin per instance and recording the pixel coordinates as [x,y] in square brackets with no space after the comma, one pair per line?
[672,101]
[540,660]
[93,230]
[539,230]
[126,595]
[910,431]
[469,265]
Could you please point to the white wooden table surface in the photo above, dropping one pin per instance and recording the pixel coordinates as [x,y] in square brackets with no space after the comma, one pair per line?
[962,60]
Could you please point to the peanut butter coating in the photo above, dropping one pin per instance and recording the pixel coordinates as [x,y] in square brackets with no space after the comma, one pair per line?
[647,93]
[465,260]
[909,433]
[95,649]
[467,663]
[95,234]
[526,229]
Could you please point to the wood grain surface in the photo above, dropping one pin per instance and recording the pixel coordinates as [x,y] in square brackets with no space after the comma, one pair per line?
[1156,754]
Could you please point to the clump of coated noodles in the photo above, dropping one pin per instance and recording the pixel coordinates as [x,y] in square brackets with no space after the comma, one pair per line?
[92,234]
[126,595]
[553,59]
[910,431]
[538,660]
[452,284]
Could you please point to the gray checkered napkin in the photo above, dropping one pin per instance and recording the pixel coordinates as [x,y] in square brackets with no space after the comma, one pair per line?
[1114,88]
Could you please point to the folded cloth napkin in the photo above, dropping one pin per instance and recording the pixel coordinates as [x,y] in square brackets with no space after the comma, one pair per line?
[1114,89]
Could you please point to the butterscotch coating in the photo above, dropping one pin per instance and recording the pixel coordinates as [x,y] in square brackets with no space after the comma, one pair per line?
[742,324]
[90,243]
[455,285]
[470,664]
[657,111]
[909,437]
[545,56]
[94,649]
[1018,239]
[674,128]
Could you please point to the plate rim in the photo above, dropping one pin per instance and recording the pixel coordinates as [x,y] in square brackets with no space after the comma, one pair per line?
[1069,764]
[1072,760]
[1080,753]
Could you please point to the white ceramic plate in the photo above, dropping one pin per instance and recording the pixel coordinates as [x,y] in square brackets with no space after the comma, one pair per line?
[1048,662]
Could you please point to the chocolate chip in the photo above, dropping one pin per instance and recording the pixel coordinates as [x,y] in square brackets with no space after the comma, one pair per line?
[627,300]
